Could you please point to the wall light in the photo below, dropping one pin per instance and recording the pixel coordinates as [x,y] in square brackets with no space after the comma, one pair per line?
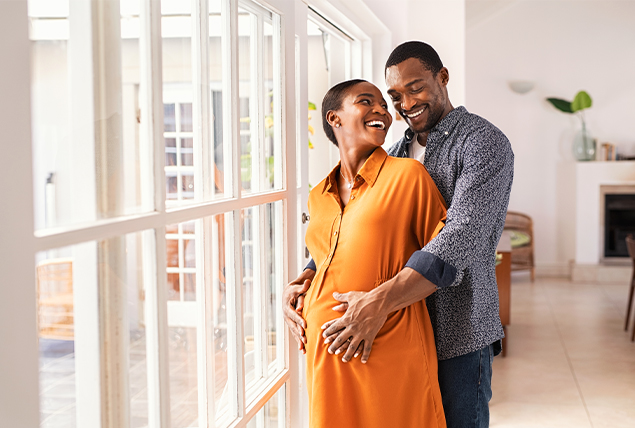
[521,86]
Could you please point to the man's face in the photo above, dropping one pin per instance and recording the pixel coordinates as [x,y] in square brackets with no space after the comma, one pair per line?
[418,95]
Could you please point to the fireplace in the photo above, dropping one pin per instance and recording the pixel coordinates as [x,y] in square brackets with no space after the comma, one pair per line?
[619,221]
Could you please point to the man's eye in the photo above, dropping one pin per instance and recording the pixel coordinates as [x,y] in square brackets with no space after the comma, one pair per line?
[416,91]
[366,101]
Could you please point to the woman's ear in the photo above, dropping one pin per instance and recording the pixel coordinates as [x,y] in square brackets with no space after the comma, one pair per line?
[333,119]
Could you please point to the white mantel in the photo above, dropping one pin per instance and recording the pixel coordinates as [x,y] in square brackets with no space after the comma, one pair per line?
[592,180]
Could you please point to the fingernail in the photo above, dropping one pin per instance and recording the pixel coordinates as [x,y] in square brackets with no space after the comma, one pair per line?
[323,327]
[344,360]
[337,352]
[330,352]
[356,355]
[363,362]
[327,341]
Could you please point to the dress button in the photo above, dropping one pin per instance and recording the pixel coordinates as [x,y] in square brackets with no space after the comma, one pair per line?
[335,233]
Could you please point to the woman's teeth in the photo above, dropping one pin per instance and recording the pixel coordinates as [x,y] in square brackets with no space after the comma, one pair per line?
[376,123]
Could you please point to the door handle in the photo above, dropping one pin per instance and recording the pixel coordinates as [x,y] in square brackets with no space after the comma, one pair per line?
[305,218]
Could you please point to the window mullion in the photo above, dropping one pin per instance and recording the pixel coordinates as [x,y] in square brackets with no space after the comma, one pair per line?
[153,188]
[230,97]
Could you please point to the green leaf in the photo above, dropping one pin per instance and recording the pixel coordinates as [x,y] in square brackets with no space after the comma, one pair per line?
[312,106]
[581,101]
[562,105]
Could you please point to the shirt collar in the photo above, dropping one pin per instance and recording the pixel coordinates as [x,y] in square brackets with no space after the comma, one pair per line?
[369,171]
[443,128]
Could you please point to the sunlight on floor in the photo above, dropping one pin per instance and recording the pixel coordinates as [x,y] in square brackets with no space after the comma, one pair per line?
[569,361]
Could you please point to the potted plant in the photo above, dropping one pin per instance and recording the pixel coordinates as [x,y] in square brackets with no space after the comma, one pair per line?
[583,143]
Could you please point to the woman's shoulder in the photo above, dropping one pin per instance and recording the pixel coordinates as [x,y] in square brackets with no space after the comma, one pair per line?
[406,166]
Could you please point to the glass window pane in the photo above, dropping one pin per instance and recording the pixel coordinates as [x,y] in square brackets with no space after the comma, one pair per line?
[273,253]
[272,415]
[185,117]
[177,30]
[247,24]
[262,266]
[69,165]
[220,229]
[184,321]
[68,283]
[250,251]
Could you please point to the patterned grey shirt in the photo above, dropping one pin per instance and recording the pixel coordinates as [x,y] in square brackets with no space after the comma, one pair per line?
[472,164]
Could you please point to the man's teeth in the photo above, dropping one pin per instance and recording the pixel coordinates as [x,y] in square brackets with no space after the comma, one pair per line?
[377,123]
[415,114]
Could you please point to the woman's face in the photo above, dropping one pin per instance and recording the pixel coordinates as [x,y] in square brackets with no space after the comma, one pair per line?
[363,118]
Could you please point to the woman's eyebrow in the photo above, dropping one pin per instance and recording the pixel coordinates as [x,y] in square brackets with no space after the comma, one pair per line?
[366,95]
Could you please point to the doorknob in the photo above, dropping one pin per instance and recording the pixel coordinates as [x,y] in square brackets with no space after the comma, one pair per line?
[305,218]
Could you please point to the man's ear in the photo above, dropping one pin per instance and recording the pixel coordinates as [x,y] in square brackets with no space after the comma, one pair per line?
[332,118]
[444,76]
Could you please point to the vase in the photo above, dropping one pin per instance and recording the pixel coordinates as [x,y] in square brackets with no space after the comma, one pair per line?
[583,145]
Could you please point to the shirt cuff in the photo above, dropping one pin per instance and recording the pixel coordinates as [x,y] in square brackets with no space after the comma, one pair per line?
[432,268]
[310,265]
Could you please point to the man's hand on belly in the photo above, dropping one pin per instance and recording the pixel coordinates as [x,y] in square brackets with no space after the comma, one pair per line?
[355,331]
[365,313]
[293,303]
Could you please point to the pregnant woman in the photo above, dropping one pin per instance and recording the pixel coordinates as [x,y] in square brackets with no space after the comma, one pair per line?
[367,218]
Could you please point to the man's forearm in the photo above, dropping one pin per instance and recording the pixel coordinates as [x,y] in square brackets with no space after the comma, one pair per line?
[406,288]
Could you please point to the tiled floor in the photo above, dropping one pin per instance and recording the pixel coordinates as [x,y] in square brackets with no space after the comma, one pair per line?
[569,361]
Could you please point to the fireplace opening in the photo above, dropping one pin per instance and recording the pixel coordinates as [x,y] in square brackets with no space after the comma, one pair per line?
[619,221]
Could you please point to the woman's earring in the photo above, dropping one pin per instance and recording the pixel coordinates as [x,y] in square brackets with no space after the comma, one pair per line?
[338,125]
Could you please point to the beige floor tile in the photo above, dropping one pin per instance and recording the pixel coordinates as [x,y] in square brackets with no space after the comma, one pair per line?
[606,383]
[524,380]
[523,415]
[569,362]
[612,417]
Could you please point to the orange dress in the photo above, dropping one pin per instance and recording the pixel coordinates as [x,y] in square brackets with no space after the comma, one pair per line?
[394,210]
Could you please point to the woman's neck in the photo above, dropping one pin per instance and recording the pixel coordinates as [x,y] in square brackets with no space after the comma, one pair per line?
[352,160]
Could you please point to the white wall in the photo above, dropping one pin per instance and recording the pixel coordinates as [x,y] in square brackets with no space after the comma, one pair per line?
[562,46]
[439,23]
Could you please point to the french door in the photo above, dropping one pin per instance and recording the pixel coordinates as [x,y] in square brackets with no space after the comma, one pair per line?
[165,228]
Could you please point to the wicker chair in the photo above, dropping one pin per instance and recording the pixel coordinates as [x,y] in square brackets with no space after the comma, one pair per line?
[521,227]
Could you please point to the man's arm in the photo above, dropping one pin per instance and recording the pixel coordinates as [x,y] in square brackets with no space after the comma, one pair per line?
[366,312]
[480,199]
[293,303]
[478,206]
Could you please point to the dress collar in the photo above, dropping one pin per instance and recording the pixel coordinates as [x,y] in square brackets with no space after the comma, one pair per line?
[369,171]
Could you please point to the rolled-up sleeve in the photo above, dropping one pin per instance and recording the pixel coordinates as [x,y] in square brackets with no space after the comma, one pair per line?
[480,198]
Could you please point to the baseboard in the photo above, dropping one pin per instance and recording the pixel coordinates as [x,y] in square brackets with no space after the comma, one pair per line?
[602,274]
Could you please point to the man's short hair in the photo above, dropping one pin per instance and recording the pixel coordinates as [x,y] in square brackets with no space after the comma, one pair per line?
[415,49]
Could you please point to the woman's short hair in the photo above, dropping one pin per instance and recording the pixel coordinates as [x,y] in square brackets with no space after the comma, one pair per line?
[333,101]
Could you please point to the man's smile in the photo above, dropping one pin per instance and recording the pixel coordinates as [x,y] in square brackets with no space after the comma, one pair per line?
[416,113]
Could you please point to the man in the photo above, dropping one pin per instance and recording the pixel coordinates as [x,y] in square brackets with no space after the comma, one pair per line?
[471,162]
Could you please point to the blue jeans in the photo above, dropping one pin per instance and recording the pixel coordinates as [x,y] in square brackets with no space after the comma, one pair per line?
[466,388]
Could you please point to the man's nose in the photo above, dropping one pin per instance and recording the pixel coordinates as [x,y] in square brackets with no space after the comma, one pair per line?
[407,103]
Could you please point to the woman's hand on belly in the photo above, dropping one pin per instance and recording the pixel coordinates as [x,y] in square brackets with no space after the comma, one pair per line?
[363,318]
